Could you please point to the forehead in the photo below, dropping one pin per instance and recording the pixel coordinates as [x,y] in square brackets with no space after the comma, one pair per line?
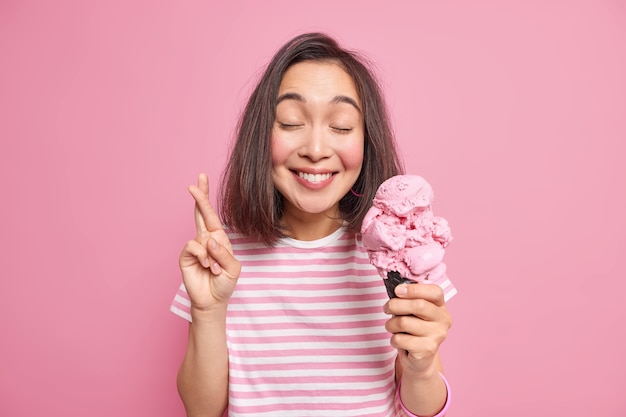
[314,79]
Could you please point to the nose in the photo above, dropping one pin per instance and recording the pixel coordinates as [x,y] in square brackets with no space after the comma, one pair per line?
[316,145]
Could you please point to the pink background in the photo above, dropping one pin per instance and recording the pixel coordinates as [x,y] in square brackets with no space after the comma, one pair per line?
[514,111]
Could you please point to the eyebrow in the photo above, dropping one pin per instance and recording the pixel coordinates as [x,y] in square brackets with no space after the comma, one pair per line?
[335,100]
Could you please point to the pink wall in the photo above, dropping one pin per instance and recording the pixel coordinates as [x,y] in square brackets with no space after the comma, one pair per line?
[514,111]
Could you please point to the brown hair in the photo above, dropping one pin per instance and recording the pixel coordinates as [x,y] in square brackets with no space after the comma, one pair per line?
[250,204]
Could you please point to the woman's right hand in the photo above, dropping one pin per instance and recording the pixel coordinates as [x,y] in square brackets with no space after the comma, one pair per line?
[209,269]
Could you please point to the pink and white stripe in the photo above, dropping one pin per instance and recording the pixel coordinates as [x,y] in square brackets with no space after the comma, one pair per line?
[305,331]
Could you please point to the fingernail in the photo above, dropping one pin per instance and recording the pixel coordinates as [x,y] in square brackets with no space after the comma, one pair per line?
[216,268]
[401,289]
[205,262]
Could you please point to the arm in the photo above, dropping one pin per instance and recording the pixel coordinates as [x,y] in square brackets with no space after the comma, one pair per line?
[419,324]
[424,394]
[203,376]
[210,273]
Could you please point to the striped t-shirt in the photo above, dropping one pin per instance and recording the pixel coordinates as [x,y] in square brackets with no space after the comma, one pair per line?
[305,330]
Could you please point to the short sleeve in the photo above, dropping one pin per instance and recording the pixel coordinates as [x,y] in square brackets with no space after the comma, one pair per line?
[181,305]
[446,285]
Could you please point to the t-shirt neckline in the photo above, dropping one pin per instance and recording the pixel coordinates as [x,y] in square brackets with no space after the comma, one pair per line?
[313,244]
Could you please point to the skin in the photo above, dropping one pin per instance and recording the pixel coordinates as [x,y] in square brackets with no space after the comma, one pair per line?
[318,130]
[210,273]
[419,324]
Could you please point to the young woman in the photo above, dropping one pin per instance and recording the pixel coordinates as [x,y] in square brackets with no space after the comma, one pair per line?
[287,316]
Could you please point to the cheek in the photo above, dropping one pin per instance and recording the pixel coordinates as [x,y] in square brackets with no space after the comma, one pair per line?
[352,156]
[354,161]
[277,151]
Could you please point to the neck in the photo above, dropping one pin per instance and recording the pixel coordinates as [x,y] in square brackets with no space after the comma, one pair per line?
[311,226]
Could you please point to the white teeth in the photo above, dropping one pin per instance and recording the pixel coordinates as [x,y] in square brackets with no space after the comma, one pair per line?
[314,177]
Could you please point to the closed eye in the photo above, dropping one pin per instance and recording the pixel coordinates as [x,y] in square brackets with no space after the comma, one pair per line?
[343,130]
[289,126]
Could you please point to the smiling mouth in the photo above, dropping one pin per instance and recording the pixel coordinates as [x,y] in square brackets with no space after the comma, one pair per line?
[315,178]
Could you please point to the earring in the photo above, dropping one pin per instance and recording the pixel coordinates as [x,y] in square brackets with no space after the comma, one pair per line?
[355,194]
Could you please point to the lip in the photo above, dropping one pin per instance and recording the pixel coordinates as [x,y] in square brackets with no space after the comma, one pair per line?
[321,183]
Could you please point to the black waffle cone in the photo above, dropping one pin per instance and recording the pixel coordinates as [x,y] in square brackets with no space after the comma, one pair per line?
[393,280]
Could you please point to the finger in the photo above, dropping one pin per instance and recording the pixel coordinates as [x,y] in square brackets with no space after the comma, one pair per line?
[194,252]
[200,225]
[418,307]
[203,184]
[417,348]
[224,259]
[203,239]
[429,292]
[208,216]
[411,325]
[205,216]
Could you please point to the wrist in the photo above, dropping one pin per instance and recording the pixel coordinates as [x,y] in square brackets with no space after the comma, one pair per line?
[429,372]
[212,314]
[442,411]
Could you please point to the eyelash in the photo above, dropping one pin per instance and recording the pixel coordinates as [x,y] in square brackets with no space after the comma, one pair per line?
[340,130]
[288,126]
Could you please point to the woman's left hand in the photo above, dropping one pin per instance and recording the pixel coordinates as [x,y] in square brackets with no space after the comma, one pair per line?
[419,325]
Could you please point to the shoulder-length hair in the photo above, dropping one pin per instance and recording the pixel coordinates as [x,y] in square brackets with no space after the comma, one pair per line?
[249,203]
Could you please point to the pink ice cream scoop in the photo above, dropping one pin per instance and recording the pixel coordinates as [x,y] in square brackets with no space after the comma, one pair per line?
[404,240]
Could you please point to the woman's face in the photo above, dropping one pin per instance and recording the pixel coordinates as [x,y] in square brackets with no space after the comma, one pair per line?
[317,138]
